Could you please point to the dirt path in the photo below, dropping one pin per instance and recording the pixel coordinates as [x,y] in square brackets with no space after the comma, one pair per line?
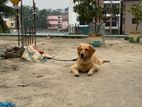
[117,84]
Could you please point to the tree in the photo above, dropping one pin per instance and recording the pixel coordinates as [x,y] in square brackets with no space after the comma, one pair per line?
[27,17]
[136,11]
[89,10]
[5,11]
[54,12]
[42,22]
[85,9]
[41,17]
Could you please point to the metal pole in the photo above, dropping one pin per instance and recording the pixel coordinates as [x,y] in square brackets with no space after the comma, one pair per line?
[34,20]
[110,31]
[121,17]
[17,24]
[22,36]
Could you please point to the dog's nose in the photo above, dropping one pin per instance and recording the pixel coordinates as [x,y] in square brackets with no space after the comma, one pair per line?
[82,55]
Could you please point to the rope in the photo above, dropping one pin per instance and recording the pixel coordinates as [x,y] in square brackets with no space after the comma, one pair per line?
[63,59]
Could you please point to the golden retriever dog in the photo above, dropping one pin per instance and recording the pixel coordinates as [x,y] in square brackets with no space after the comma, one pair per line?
[87,60]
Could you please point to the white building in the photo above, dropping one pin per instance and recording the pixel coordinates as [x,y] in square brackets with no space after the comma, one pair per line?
[72,14]
[72,17]
[113,24]
[10,22]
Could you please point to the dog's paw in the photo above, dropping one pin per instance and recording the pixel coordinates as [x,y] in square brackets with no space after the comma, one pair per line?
[76,74]
[90,73]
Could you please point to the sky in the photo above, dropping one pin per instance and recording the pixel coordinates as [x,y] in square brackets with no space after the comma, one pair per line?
[46,4]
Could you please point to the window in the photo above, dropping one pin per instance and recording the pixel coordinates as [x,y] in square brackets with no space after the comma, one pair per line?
[107,8]
[12,24]
[113,22]
[116,5]
[59,27]
[134,21]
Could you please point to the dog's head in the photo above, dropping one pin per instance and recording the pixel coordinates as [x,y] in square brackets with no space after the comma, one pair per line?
[85,51]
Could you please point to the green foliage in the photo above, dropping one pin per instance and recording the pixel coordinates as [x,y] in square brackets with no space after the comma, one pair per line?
[27,17]
[136,11]
[42,22]
[41,17]
[6,11]
[85,9]
[131,39]
[55,12]
[89,10]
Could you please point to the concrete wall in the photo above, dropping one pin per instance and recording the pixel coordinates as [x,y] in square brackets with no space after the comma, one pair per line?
[128,26]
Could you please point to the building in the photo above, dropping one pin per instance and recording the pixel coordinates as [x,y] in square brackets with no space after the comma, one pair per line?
[58,22]
[129,23]
[10,22]
[114,25]
[113,22]
[72,15]
[124,22]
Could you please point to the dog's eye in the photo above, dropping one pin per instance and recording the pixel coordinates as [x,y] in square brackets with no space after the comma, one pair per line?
[86,49]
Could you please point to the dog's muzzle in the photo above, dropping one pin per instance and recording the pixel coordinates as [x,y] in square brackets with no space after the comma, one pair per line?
[83,56]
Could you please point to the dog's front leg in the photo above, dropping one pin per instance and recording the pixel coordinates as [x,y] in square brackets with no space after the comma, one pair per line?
[91,72]
[75,72]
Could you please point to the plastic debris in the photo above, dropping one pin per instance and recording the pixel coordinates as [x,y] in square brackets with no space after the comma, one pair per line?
[7,104]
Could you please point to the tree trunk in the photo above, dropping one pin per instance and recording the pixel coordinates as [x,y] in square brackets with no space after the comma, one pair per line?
[138,25]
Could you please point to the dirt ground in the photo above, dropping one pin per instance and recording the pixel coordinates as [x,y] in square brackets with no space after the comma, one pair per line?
[49,84]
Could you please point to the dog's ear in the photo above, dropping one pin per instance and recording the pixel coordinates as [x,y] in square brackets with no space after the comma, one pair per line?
[91,50]
[78,48]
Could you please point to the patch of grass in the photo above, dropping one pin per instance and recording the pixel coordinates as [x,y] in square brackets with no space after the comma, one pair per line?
[131,40]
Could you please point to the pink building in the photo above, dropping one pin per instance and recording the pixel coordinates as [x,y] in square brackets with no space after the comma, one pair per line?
[58,22]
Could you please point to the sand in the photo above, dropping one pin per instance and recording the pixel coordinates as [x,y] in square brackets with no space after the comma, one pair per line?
[49,84]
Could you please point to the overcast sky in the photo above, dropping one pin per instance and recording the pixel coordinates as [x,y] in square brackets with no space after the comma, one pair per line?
[54,4]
